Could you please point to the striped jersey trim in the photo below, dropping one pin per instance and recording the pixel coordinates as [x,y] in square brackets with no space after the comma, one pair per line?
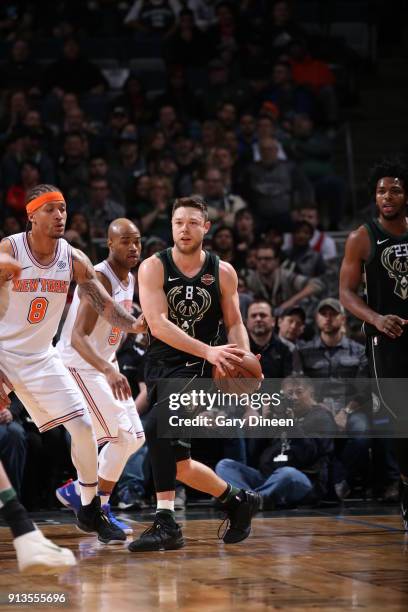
[33,259]
[60,420]
[13,246]
[90,401]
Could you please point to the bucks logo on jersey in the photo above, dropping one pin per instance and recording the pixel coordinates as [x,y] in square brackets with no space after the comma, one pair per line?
[187,306]
[395,260]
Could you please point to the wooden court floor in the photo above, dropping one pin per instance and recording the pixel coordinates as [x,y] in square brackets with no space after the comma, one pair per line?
[297,563]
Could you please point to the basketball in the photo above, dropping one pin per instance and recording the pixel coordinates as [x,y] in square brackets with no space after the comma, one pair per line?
[245,379]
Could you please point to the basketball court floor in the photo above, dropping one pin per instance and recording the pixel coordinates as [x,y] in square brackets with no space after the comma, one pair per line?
[350,559]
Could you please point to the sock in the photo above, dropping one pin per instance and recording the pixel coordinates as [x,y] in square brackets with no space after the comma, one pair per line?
[230,495]
[16,516]
[7,495]
[87,493]
[165,506]
[104,495]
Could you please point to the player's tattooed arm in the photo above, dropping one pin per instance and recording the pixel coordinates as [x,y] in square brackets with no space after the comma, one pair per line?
[9,267]
[92,290]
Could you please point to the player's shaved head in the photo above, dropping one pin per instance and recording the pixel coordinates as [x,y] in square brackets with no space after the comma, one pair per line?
[120,227]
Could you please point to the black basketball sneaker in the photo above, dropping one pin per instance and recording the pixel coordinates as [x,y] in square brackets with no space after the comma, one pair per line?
[92,519]
[239,514]
[164,534]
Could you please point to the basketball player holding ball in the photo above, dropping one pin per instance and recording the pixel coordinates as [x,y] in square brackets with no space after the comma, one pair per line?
[185,292]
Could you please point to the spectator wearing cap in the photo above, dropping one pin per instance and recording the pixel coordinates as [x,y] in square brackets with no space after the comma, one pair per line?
[276,358]
[320,242]
[282,288]
[118,118]
[332,356]
[274,187]
[101,208]
[222,205]
[301,256]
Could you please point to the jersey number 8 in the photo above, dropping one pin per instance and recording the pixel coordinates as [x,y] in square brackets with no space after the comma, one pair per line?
[37,310]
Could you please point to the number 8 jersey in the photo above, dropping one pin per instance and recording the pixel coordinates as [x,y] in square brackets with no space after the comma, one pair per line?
[104,338]
[31,306]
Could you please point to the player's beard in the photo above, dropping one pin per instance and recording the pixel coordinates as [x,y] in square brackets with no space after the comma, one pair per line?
[189,249]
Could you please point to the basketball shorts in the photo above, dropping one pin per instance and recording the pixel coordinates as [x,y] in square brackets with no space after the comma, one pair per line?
[157,372]
[388,361]
[108,414]
[44,386]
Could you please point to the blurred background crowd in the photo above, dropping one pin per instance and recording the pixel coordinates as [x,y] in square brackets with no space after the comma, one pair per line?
[265,108]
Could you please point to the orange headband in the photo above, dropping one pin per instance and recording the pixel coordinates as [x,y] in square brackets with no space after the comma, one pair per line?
[45,198]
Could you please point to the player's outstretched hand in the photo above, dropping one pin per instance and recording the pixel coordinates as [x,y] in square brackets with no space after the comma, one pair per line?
[4,398]
[119,384]
[391,325]
[9,265]
[224,357]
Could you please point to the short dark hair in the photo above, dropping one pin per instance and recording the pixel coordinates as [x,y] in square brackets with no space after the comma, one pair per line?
[260,300]
[191,202]
[265,245]
[393,166]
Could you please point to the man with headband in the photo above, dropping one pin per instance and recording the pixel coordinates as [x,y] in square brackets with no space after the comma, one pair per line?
[30,311]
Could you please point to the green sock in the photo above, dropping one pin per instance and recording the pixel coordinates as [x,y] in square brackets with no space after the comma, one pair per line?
[229,494]
[6,495]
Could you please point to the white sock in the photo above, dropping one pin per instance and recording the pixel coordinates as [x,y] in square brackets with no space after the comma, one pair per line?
[165,504]
[104,499]
[87,494]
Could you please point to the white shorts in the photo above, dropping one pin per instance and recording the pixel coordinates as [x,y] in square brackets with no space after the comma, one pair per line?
[43,385]
[108,414]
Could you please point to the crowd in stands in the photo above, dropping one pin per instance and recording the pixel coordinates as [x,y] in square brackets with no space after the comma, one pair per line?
[241,109]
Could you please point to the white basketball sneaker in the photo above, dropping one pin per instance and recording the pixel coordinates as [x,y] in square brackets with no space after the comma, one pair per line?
[36,554]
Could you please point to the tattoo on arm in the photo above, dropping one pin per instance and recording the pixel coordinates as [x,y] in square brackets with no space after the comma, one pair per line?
[91,289]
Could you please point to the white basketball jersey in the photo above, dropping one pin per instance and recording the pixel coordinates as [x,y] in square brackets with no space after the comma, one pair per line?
[31,306]
[104,338]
